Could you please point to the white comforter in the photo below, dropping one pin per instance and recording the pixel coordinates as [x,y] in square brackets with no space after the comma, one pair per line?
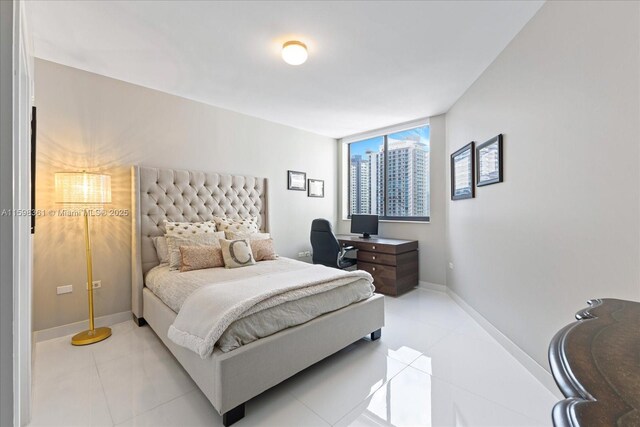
[208,311]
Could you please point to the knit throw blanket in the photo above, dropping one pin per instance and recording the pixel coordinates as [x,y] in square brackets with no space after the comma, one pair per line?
[209,311]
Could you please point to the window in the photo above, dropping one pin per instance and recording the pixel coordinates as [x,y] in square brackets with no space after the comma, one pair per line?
[389,175]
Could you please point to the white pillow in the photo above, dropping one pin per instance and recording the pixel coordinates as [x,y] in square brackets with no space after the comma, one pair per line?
[160,242]
[237,253]
[238,225]
[199,239]
[181,228]
[234,235]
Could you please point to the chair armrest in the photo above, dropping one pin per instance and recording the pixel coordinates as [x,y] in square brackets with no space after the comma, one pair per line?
[345,250]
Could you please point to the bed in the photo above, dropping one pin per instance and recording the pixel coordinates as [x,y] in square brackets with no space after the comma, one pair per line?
[232,377]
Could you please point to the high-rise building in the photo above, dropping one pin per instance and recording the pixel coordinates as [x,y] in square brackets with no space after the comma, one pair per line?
[407,178]
[407,190]
[360,179]
[376,161]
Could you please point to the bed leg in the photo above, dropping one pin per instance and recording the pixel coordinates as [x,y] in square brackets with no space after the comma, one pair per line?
[375,335]
[139,320]
[230,417]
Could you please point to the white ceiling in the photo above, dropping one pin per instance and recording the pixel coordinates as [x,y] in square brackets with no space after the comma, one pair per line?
[371,64]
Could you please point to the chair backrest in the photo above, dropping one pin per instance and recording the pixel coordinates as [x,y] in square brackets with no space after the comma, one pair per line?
[326,247]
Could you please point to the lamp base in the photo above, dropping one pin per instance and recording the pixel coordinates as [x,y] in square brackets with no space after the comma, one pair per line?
[91,337]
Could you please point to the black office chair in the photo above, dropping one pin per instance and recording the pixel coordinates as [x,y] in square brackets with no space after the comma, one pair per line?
[326,248]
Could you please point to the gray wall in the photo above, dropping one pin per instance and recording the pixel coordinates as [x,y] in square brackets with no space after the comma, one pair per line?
[431,236]
[94,122]
[564,225]
[6,194]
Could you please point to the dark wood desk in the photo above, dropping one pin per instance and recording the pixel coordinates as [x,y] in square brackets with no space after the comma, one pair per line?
[392,263]
[596,364]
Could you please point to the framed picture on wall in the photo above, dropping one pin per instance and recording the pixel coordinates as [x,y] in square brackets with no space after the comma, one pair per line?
[296,181]
[316,188]
[489,158]
[462,173]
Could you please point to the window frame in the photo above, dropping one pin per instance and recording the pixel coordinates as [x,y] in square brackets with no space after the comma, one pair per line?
[384,133]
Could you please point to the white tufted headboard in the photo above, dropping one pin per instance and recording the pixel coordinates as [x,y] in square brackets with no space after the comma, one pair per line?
[182,195]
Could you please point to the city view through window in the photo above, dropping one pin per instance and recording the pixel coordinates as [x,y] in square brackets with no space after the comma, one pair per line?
[389,175]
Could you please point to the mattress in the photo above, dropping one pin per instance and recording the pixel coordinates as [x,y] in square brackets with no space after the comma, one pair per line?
[174,287]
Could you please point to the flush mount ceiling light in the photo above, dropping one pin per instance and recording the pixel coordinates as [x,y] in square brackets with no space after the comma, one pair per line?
[294,52]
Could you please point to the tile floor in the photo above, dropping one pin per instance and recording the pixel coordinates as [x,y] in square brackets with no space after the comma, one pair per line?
[434,366]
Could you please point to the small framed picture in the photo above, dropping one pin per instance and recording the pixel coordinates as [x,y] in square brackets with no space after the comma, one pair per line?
[489,158]
[462,173]
[296,181]
[316,188]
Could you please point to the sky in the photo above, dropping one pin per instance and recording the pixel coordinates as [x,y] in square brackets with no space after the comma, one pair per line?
[373,144]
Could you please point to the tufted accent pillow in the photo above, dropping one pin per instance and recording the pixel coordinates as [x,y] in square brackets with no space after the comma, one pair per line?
[182,228]
[234,235]
[237,253]
[238,225]
[161,249]
[200,257]
[203,239]
[262,249]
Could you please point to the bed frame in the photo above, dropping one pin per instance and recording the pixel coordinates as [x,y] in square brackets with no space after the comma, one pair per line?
[230,379]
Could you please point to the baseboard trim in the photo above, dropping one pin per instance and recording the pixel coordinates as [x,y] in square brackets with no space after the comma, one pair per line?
[521,356]
[431,286]
[74,328]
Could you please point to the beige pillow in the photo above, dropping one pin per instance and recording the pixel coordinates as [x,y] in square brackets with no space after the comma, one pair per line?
[181,228]
[160,242]
[199,257]
[203,239]
[238,225]
[237,253]
[262,249]
[235,235]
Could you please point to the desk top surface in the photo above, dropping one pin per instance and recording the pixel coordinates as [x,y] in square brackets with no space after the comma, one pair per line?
[378,240]
[595,364]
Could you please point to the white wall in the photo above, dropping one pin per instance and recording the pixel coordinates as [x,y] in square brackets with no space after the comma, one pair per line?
[94,122]
[564,225]
[431,236]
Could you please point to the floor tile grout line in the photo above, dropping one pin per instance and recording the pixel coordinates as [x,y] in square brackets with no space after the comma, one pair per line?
[327,421]
[155,407]
[438,341]
[372,393]
[309,408]
[150,409]
[493,341]
[458,386]
[455,332]
[425,322]
[104,393]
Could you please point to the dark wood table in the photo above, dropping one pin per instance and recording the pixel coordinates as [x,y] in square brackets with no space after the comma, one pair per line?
[393,263]
[596,364]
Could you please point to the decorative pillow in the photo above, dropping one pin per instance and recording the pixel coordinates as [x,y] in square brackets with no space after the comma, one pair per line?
[199,257]
[202,239]
[235,235]
[262,249]
[181,228]
[237,253]
[238,225]
[161,248]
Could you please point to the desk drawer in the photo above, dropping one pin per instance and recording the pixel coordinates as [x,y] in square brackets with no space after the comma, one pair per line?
[384,277]
[373,247]
[376,258]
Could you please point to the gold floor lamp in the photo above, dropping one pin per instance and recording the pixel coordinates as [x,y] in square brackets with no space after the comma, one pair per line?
[86,191]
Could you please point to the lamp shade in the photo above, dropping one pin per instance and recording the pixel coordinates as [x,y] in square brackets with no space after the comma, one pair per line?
[83,188]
